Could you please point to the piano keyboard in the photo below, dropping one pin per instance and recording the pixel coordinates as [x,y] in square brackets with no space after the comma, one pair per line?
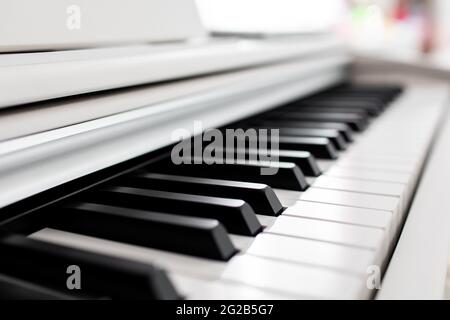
[350,159]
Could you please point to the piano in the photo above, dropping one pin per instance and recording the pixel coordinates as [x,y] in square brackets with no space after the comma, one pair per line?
[93,205]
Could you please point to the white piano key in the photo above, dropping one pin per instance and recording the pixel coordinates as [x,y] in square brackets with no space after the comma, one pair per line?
[183,264]
[314,253]
[315,282]
[378,158]
[359,216]
[288,198]
[242,243]
[353,199]
[266,221]
[351,163]
[376,145]
[199,289]
[364,186]
[363,174]
[324,165]
[172,262]
[334,232]
[295,279]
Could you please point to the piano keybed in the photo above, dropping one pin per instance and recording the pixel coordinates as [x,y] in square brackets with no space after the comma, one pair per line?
[349,161]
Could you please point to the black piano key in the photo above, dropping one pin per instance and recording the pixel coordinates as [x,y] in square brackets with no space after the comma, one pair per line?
[348,96]
[372,88]
[319,147]
[15,289]
[333,135]
[283,175]
[343,128]
[355,121]
[259,196]
[201,237]
[370,106]
[381,99]
[236,215]
[336,138]
[46,264]
[303,159]
[387,93]
[327,109]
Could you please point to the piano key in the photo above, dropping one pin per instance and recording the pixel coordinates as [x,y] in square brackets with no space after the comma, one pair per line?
[169,261]
[288,198]
[314,253]
[45,264]
[372,97]
[356,100]
[407,167]
[381,103]
[195,236]
[295,279]
[242,242]
[282,174]
[266,220]
[343,128]
[319,147]
[236,215]
[375,175]
[382,159]
[330,212]
[384,146]
[371,107]
[259,196]
[384,93]
[270,246]
[372,88]
[343,198]
[352,199]
[317,286]
[304,107]
[364,186]
[325,164]
[14,289]
[355,121]
[328,231]
[303,159]
[333,135]
[200,289]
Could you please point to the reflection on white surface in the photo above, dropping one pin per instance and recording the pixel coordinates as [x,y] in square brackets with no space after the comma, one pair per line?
[270,16]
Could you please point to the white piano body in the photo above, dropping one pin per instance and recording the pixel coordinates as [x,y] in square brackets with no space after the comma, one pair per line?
[67,114]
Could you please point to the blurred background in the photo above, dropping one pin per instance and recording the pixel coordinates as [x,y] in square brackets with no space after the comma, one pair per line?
[393,27]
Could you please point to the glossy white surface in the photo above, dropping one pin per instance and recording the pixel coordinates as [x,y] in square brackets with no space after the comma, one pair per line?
[32,77]
[66,24]
[67,153]
[319,248]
